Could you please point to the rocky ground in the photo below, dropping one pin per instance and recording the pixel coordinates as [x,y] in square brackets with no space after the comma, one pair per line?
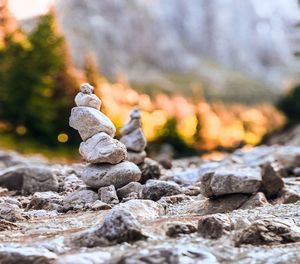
[244,208]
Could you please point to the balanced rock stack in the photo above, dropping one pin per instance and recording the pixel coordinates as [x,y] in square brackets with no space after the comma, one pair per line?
[106,154]
[133,138]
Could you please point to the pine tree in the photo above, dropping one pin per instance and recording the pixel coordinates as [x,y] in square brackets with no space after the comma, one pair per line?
[39,85]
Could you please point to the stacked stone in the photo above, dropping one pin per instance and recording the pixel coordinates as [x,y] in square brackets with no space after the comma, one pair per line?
[106,154]
[133,138]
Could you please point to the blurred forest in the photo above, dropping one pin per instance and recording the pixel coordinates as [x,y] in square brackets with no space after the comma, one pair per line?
[38,83]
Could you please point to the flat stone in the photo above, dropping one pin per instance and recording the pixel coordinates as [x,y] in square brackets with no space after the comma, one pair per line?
[89,100]
[214,226]
[100,175]
[268,232]
[150,170]
[101,148]
[132,187]
[136,157]
[89,121]
[135,140]
[156,189]
[29,179]
[272,182]
[26,255]
[108,195]
[231,179]
[119,226]
[80,199]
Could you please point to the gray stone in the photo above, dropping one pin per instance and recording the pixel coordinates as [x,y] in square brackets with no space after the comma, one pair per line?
[176,229]
[10,212]
[230,180]
[150,170]
[46,200]
[80,199]
[143,209]
[108,195]
[29,179]
[26,255]
[136,157]
[89,121]
[99,205]
[135,140]
[132,187]
[155,189]
[98,257]
[119,226]
[86,88]
[272,182]
[132,125]
[256,200]
[268,232]
[101,148]
[214,226]
[101,175]
[89,100]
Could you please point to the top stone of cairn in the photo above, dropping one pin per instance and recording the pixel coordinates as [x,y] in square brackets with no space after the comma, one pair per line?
[86,88]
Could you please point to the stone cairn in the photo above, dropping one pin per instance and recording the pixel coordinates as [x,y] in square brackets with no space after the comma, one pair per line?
[106,154]
[133,138]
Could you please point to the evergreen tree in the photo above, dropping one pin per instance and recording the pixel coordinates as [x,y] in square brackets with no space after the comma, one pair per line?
[38,85]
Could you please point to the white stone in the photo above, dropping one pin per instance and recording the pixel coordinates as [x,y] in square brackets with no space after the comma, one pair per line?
[99,175]
[89,100]
[89,121]
[101,148]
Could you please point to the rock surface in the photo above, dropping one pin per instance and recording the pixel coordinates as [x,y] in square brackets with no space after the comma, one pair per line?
[108,195]
[89,121]
[90,100]
[150,170]
[29,179]
[135,141]
[229,180]
[155,189]
[101,175]
[101,148]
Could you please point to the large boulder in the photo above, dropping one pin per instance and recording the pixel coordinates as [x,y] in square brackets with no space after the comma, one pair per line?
[101,148]
[29,179]
[100,175]
[89,121]
[231,179]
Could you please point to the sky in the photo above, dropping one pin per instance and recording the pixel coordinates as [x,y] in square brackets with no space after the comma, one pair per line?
[23,9]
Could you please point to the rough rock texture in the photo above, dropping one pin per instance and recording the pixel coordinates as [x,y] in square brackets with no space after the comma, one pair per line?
[90,100]
[150,170]
[10,212]
[46,200]
[108,195]
[101,148]
[101,175]
[214,226]
[29,179]
[177,229]
[258,199]
[80,199]
[135,141]
[136,157]
[89,121]
[132,187]
[155,189]
[272,182]
[269,232]
[26,255]
[119,226]
[229,180]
